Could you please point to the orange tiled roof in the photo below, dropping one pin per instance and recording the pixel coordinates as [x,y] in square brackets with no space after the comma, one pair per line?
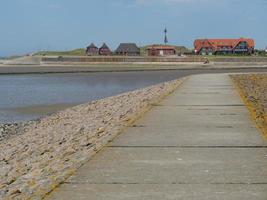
[215,43]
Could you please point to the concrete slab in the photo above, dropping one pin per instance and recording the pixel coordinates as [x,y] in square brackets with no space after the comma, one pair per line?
[198,144]
[190,136]
[167,165]
[160,192]
[170,126]
[186,115]
[205,90]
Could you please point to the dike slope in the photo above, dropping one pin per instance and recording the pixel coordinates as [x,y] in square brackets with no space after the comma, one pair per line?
[35,162]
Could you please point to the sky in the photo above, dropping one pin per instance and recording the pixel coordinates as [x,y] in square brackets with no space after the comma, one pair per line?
[32,25]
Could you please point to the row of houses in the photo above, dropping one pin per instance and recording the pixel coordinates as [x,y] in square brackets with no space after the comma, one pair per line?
[131,49]
[126,49]
[201,47]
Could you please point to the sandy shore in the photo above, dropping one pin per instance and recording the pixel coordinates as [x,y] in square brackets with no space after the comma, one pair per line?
[34,162]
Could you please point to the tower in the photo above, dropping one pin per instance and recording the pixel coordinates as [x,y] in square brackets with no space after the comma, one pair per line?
[165,38]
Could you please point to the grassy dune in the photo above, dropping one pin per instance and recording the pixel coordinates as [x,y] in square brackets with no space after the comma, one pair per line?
[75,52]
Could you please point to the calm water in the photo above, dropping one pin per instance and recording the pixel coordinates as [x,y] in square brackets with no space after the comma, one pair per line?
[25,97]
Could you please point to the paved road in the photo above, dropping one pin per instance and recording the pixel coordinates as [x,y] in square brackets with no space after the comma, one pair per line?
[198,144]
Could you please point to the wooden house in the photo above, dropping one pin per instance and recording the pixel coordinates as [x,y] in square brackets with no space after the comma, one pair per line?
[105,50]
[92,50]
[128,49]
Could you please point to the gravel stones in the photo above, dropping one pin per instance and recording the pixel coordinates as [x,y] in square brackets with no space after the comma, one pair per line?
[12,129]
[253,89]
[47,152]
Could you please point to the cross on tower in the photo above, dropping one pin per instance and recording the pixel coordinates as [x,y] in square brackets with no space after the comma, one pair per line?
[166,38]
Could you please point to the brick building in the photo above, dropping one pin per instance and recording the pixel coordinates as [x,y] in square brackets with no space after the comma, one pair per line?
[161,50]
[224,46]
[128,49]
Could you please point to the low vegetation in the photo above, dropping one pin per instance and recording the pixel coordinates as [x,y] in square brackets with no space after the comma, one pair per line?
[261,53]
[253,90]
[75,52]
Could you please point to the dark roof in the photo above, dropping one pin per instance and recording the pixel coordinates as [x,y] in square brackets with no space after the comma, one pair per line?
[92,45]
[104,46]
[128,47]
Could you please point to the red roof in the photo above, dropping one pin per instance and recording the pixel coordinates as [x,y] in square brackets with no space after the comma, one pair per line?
[215,43]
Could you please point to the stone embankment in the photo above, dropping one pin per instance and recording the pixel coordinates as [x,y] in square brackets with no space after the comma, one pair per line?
[13,129]
[35,162]
[253,90]
[7,130]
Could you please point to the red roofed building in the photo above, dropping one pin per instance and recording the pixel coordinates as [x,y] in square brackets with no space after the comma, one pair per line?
[161,50]
[224,46]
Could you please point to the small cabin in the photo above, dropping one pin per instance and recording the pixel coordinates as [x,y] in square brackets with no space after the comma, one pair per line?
[105,50]
[128,49]
[92,50]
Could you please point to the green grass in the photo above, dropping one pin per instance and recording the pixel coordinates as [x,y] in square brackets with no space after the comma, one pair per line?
[75,52]
[261,53]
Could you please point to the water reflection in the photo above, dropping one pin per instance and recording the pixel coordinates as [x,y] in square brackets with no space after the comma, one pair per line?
[25,97]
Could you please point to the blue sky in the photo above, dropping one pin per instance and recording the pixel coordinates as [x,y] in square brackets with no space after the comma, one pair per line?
[31,25]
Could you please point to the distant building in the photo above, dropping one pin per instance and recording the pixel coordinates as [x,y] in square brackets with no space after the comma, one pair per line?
[224,46]
[105,50]
[128,49]
[92,50]
[161,50]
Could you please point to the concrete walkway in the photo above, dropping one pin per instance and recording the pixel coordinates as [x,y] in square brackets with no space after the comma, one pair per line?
[198,144]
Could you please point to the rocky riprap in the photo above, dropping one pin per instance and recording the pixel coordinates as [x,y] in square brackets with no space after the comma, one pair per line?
[6,130]
[12,129]
[253,89]
[35,162]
